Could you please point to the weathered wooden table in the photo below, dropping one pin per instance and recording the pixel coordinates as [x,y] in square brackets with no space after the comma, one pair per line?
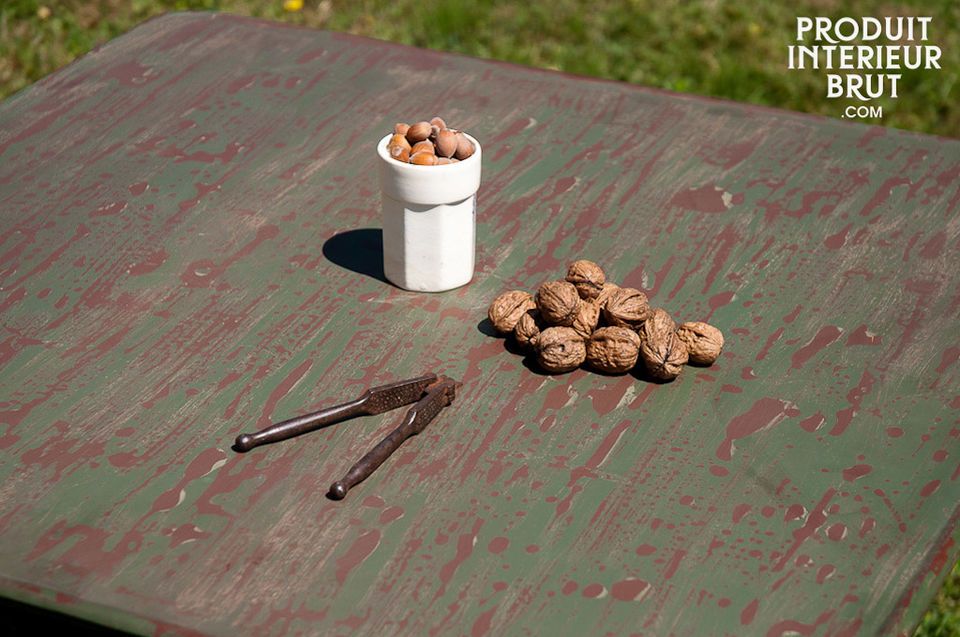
[190,248]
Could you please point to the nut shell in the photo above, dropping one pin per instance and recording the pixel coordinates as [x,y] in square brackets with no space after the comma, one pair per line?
[627,307]
[418,132]
[704,342]
[465,147]
[587,277]
[613,350]
[605,293]
[423,158]
[401,129]
[588,316]
[422,147]
[560,349]
[558,302]
[662,351]
[446,143]
[507,309]
[528,329]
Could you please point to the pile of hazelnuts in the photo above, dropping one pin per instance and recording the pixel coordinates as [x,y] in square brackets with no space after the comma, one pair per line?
[429,143]
[585,319]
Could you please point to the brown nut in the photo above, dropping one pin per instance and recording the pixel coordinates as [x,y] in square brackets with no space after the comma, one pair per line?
[418,132]
[560,349]
[444,160]
[613,350]
[587,277]
[528,329]
[423,159]
[464,147]
[446,143]
[438,122]
[507,309]
[422,147]
[704,342]
[400,153]
[662,351]
[627,307]
[588,316]
[607,290]
[558,302]
[401,129]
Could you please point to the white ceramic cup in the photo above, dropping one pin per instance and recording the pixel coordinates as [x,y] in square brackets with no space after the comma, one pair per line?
[429,221]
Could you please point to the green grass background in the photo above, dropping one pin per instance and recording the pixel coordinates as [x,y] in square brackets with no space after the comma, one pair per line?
[723,48]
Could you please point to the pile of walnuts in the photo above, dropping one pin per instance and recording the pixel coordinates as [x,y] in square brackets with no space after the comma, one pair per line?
[586,319]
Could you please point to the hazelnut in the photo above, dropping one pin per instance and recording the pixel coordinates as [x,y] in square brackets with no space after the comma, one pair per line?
[422,147]
[558,302]
[400,153]
[704,342]
[508,308]
[423,159]
[662,351]
[587,277]
[560,349]
[446,143]
[528,329]
[401,128]
[418,132]
[444,160]
[464,147]
[613,350]
[438,122]
[588,316]
[627,307]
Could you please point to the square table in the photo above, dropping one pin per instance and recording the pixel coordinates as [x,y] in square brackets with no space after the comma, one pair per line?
[190,248]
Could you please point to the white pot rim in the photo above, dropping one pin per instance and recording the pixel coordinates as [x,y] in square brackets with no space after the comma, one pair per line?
[429,185]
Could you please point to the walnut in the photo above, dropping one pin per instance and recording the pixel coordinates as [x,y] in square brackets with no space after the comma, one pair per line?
[558,302]
[587,277]
[528,329]
[587,318]
[627,307]
[703,342]
[605,293]
[560,349]
[613,350]
[662,351]
[507,309]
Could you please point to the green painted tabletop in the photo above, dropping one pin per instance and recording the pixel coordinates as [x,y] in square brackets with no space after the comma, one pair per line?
[190,248]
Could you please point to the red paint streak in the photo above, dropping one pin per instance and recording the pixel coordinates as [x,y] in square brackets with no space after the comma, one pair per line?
[605,399]
[132,73]
[856,472]
[882,194]
[749,612]
[569,587]
[200,466]
[282,390]
[725,241]
[138,188]
[827,335]
[859,336]
[894,432]
[482,625]
[592,591]
[240,84]
[191,277]
[866,526]
[930,488]
[816,518]
[185,533]
[629,590]
[717,301]
[359,551]
[836,532]
[149,262]
[719,471]
[773,338]
[950,356]
[108,210]
[854,397]
[792,316]
[764,413]
[813,423]
[671,567]
[740,511]
[498,545]
[836,241]
[464,551]
[646,549]
[390,514]
[933,249]
[707,198]
[794,512]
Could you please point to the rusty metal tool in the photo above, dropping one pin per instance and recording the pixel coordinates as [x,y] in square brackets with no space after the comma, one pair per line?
[430,393]
[375,400]
[437,396]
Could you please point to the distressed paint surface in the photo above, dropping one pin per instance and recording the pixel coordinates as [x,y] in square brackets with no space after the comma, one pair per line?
[171,277]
